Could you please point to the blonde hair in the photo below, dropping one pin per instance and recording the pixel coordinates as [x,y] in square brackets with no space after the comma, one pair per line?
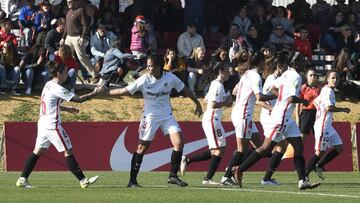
[195,53]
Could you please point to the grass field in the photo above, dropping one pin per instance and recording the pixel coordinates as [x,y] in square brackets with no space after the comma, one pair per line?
[62,187]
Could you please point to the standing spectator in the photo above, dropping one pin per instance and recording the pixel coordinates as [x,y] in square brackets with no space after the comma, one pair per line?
[279,40]
[76,36]
[137,46]
[303,44]
[5,33]
[42,22]
[189,40]
[242,21]
[100,43]
[54,36]
[26,23]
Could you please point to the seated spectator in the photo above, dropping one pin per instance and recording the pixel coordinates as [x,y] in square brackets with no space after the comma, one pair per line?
[9,60]
[26,23]
[262,22]
[5,33]
[137,45]
[189,40]
[64,55]
[281,18]
[303,44]
[346,40]
[320,6]
[115,65]
[234,40]
[54,36]
[332,32]
[100,43]
[242,21]
[255,40]
[43,22]
[175,64]
[196,66]
[353,22]
[278,40]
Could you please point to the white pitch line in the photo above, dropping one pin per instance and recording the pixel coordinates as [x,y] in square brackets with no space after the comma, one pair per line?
[278,192]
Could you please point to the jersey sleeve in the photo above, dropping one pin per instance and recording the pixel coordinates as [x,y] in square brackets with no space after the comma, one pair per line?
[329,98]
[294,86]
[177,83]
[136,85]
[214,93]
[63,93]
[256,84]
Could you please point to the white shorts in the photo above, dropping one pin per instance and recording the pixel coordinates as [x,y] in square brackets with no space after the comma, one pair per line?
[58,137]
[278,132]
[326,139]
[149,126]
[214,132]
[244,128]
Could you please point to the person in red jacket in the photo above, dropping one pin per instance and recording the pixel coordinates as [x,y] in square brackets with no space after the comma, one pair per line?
[303,44]
[5,33]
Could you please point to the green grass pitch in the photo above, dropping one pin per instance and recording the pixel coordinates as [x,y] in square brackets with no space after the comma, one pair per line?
[63,187]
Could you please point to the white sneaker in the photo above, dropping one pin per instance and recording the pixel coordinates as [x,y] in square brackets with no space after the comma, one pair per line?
[319,171]
[227,181]
[86,182]
[183,165]
[303,185]
[210,182]
[28,91]
[271,182]
[23,182]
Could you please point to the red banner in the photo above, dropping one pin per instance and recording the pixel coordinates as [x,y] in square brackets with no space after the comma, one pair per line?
[107,146]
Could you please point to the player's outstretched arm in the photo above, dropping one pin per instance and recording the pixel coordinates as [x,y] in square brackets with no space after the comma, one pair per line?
[263,97]
[82,98]
[188,93]
[117,91]
[69,109]
[337,109]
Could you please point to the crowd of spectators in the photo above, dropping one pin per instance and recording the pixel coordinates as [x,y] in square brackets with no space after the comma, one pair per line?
[93,39]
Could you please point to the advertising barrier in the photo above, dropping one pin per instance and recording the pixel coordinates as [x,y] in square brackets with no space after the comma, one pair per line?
[108,146]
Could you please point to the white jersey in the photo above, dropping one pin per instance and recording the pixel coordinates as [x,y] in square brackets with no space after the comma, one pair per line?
[288,84]
[156,93]
[51,97]
[216,94]
[268,85]
[326,98]
[249,85]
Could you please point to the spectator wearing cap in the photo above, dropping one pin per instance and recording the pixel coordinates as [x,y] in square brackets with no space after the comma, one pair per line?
[5,33]
[76,36]
[43,21]
[278,40]
[53,37]
[137,45]
[26,23]
[303,44]
[100,43]
[189,40]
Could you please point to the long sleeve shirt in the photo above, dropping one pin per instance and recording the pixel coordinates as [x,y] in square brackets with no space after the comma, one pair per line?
[186,43]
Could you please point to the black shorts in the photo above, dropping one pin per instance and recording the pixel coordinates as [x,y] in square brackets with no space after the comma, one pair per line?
[306,121]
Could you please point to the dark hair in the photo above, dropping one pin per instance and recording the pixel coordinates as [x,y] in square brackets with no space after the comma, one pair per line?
[55,68]
[256,59]
[234,24]
[297,61]
[156,59]
[328,75]
[213,72]
[118,43]
[175,62]
[60,21]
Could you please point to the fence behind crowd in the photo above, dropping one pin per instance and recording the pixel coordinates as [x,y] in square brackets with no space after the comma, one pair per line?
[108,146]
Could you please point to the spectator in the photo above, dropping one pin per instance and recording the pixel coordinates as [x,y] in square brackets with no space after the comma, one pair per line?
[352,21]
[5,33]
[92,13]
[281,18]
[76,36]
[54,36]
[320,6]
[234,39]
[346,40]
[242,21]
[137,46]
[150,38]
[115,65]
[255,40]
[9,60]
[189,40]
[303,44]
[26,23]
[278,40]
[100,43]
[109,4]
[64,56]
[332,33]
[42,22]
[262,22]
[196,66]
[341,6]
[175,64]
[300,12]
[343,65]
